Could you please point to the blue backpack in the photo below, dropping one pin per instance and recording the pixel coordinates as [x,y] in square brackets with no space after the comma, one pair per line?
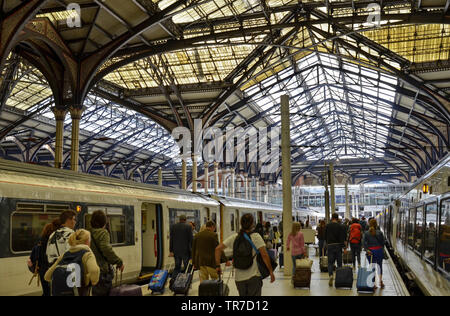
[68,277]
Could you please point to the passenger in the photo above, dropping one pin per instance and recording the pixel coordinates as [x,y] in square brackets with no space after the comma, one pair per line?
[298,244]
[276,238]
[336,237]
[363,224]
[430,240]
[58,241]
[248,278]
[307,225]
[355,240]
[39,255]
[268,234]
[194,231]
[374,246]
[104,253]
[260,230]
[203,252]
[321,237]
[78,253]
[302,225]
[180,244]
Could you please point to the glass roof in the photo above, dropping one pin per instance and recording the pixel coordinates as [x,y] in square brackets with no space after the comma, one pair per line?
[339,110]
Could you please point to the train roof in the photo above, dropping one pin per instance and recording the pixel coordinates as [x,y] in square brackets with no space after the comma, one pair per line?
[245,204]
[45,178]
[254,205]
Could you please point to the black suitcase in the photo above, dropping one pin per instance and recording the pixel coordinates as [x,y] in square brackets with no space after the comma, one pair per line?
[214,287]
[344,277]
[183,281]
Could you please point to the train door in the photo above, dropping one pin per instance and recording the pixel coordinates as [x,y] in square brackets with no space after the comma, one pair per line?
[151,237]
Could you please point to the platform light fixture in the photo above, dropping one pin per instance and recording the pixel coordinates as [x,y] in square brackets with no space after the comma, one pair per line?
[426,188]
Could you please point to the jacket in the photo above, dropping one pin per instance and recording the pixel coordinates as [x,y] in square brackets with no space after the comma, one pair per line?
[103,251]
[298,244]
[373,241]
[203,249]
[181,240]
[58,244]
[91,269]
[335,233]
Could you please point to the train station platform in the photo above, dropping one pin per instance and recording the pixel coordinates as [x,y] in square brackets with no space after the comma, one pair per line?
[282,286]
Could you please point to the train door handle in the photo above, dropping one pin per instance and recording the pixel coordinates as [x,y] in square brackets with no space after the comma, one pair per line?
[154,240]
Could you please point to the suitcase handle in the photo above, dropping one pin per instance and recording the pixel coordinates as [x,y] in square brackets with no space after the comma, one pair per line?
[229,277]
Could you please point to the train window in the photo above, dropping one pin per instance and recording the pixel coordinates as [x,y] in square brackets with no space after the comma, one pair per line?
[26,229]
[418,230]
[430,231]
[410,228]
[116,225]
[444,236]
[191,216]
[214,218]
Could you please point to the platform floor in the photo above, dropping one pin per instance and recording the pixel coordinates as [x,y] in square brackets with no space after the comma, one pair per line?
[282,286]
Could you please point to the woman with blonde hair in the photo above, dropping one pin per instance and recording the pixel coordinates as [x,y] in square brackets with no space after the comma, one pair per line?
[298,244]
[79,254]
[374,246]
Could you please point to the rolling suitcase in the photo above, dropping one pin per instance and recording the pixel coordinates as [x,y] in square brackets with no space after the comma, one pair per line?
[302,277]
[158,281]
[323,262]
[366,279]
[347,258]
[183,281]
[344,277]
[214,287]
[125,289]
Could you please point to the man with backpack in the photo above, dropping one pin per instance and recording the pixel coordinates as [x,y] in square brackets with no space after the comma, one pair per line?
[248,278]
[58,242]
[336,237]
[355,238]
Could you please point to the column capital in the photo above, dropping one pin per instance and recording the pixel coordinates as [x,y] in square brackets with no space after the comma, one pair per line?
[60,114]
[76,113]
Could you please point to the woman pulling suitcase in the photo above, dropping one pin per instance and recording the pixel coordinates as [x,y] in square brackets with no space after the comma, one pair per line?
[374,246]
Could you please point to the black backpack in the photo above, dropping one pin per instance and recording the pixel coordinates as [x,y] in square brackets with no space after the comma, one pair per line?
[68,277]
[242,253]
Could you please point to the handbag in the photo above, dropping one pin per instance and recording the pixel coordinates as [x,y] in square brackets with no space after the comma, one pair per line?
[263,270]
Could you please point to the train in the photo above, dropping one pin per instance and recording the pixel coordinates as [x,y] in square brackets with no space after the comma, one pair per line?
[139,217]
[417,230]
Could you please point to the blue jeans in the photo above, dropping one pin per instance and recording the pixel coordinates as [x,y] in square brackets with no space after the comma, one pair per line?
[334,255]
[178,261]
[293,262]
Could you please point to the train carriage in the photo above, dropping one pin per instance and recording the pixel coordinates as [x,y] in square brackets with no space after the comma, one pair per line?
[417,229]
[139,215]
